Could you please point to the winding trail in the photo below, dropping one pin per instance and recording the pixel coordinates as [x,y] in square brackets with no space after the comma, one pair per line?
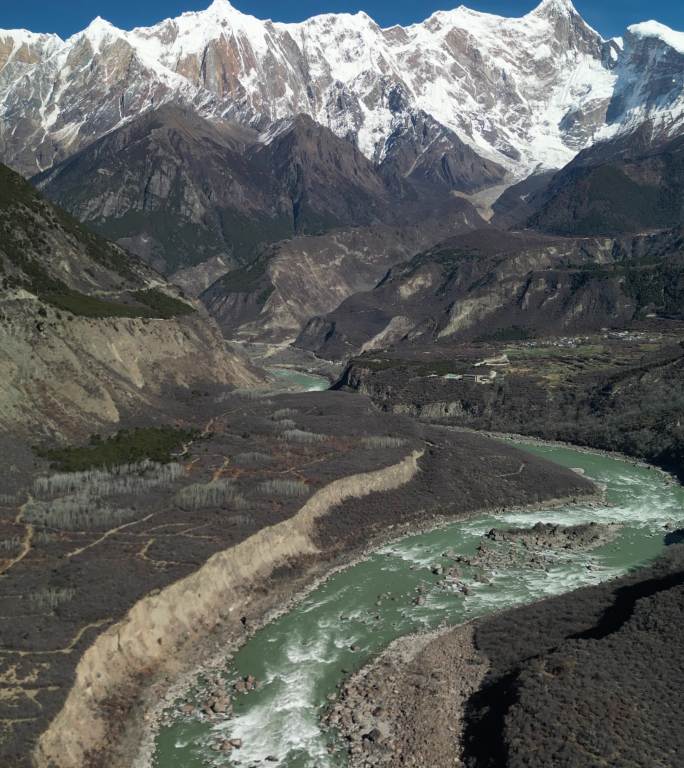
[27,541]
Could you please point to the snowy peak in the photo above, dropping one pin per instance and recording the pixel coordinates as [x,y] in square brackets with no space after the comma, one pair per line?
[650,82]
[656,31]
[21,37]
[221,7]
[522,92]
[224,11]
[98,31]
[554,8]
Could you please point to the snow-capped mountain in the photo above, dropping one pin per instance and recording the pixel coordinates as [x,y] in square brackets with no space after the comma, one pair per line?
[522,92]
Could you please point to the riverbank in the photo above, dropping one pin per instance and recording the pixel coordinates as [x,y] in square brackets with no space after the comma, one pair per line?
[406,707]
[125,671]
[452,698]
[513,688]
[515,438]
[210,660]
[613,391]
[225,587]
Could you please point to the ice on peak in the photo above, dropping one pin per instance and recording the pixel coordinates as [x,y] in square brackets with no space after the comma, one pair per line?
[669,36]
[100,24]
[546,7]
[26,36]
[98,30]
[221,8]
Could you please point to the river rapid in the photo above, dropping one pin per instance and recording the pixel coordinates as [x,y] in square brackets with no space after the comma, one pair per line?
[301,658]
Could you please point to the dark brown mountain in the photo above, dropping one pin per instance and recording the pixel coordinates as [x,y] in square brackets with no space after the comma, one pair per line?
[515,206]
[324,182]
[174,188]
[627,185]
[179,190]
[422,151]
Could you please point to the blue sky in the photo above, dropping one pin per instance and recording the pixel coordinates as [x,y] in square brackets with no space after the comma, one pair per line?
[610,17]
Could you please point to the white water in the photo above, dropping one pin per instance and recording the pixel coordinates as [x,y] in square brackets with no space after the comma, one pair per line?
[299,659]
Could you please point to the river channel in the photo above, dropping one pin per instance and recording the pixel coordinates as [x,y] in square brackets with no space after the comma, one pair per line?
[302,657]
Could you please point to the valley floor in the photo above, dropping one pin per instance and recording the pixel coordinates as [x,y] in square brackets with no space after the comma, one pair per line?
[107,610]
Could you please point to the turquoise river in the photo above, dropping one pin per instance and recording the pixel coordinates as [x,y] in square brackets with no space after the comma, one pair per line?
[301,658]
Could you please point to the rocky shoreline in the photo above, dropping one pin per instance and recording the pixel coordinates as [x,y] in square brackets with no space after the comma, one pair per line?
[433,698]
[407,706]
[409,702]
[170,700]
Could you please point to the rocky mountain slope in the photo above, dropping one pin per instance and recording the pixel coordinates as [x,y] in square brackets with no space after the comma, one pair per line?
[522,92]
[89,335]
[568,659]
[488,282]
[626,185]
[180,190]
[273,298]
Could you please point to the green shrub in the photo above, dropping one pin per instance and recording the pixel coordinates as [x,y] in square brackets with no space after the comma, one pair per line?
[161,305]
[125,447]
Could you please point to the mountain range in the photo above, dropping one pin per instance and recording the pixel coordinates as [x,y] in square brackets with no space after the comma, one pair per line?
[344,186]
[524,92]
[473,221]
[180,190]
